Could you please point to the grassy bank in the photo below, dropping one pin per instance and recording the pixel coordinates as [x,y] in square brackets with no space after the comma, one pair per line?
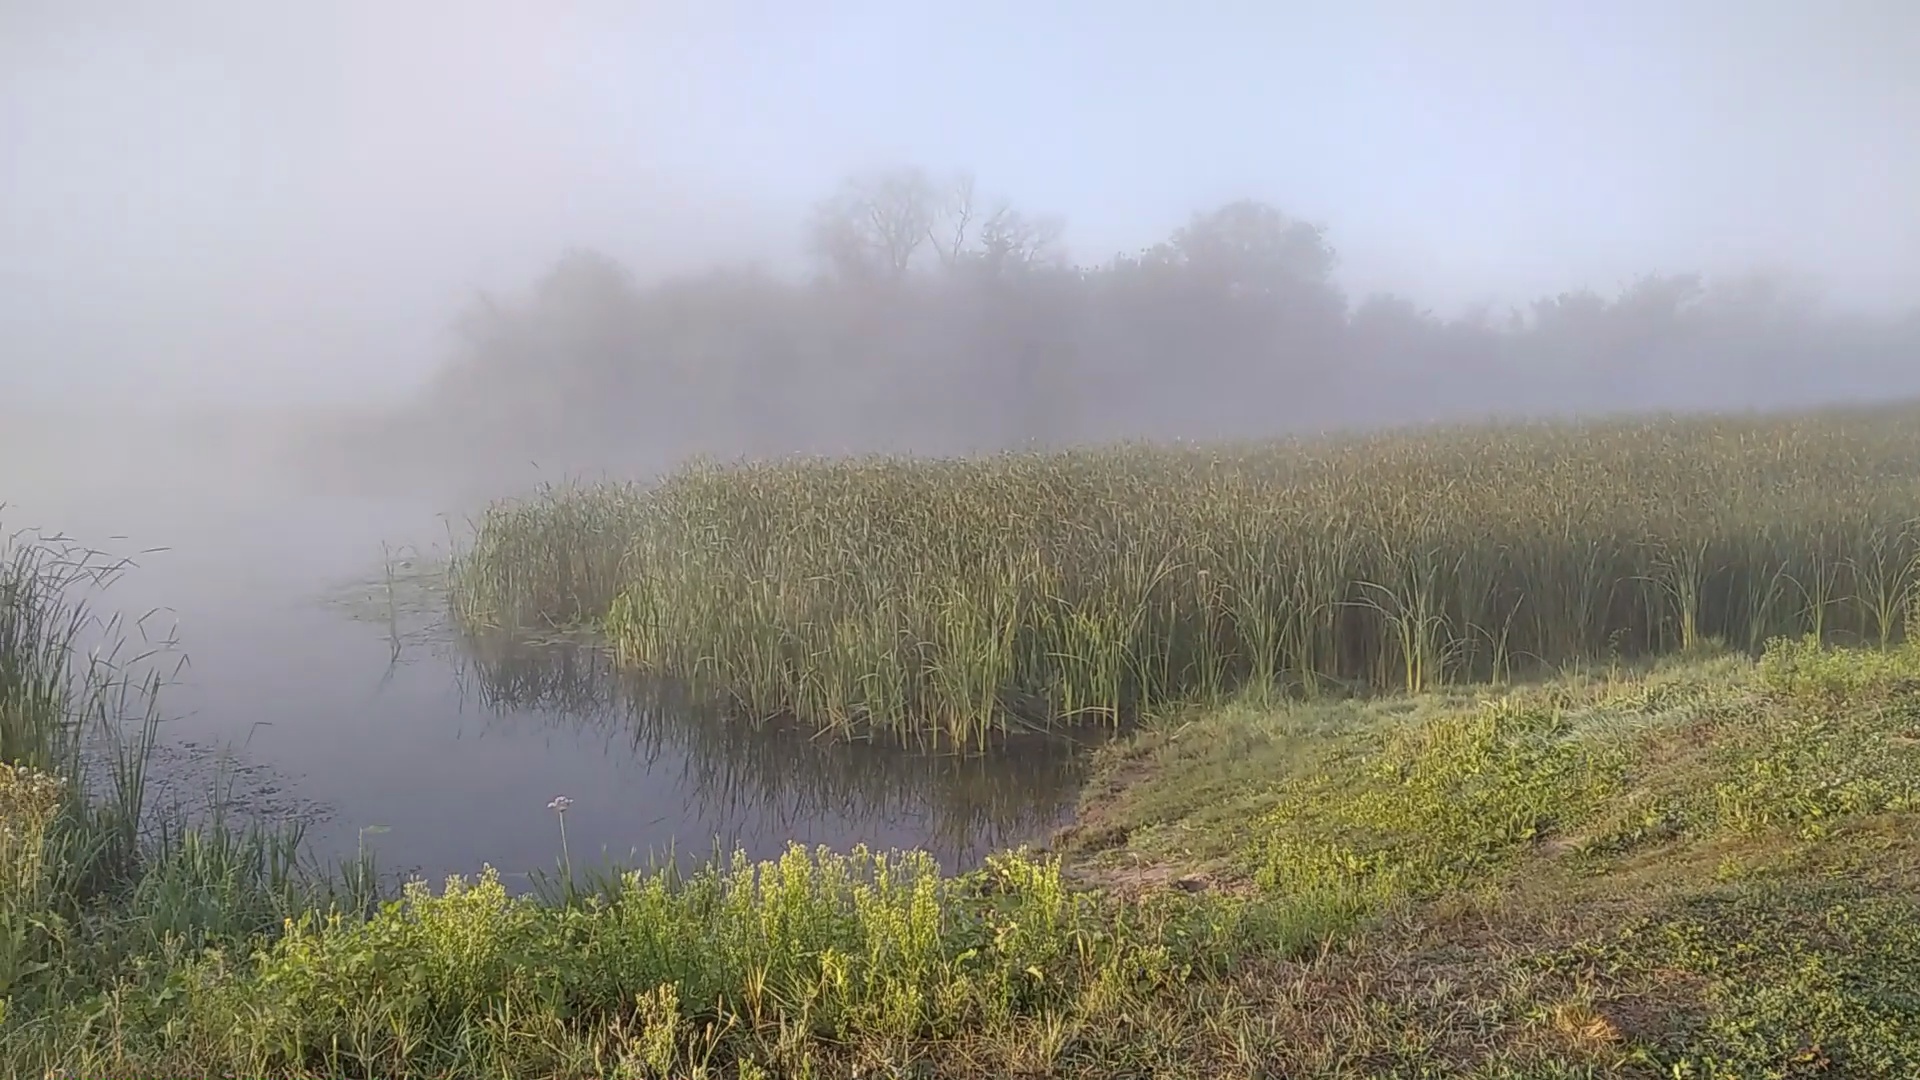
[950,599]
[1674,859]
[137,944]
[94,881]
[1704,869]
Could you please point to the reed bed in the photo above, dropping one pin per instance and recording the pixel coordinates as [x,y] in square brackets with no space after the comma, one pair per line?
[954,599]
[552,560]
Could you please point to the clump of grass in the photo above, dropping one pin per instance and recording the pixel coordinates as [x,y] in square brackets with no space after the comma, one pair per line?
[40,632]
[953,599]
[551,560]
[740,966]
[93,878]
[62,709]
[29,799]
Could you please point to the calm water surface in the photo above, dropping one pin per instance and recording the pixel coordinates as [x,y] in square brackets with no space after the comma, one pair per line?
[302,693]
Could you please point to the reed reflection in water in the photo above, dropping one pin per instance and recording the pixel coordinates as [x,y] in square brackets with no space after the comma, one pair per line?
[768,778]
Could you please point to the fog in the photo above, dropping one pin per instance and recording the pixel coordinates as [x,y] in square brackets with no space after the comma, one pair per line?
[281,284]
[617,233]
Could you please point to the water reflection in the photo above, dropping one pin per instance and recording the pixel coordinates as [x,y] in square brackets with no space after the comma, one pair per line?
[325,684]
[768,781]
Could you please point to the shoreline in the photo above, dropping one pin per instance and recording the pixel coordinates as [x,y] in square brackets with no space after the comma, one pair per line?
[1311,864]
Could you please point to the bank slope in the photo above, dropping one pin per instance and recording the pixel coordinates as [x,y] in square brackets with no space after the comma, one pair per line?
[1706,869]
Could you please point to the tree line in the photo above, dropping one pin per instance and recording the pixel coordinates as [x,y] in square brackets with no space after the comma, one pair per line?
[938,320]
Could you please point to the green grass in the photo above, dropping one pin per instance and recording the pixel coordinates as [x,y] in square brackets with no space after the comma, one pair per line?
[947,600]
[94,880]
[1700,868]
[1660,857]
[1694,868]
[553,560]
[39,630]
[786,966]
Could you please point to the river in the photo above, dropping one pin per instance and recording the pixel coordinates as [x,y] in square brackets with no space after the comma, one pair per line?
[302,694]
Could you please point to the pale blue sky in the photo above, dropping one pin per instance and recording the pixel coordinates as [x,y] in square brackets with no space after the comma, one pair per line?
[279,199]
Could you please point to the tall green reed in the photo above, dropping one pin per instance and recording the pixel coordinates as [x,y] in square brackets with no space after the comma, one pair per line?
[551,560]
[949,600]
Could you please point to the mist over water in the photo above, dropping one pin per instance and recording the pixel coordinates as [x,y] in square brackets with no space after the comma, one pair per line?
[317,699]
[283,292]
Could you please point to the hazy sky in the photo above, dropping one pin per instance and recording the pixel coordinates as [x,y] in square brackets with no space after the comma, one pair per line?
[251,199]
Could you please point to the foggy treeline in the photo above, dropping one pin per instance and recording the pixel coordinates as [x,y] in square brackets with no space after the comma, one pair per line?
[939,320]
